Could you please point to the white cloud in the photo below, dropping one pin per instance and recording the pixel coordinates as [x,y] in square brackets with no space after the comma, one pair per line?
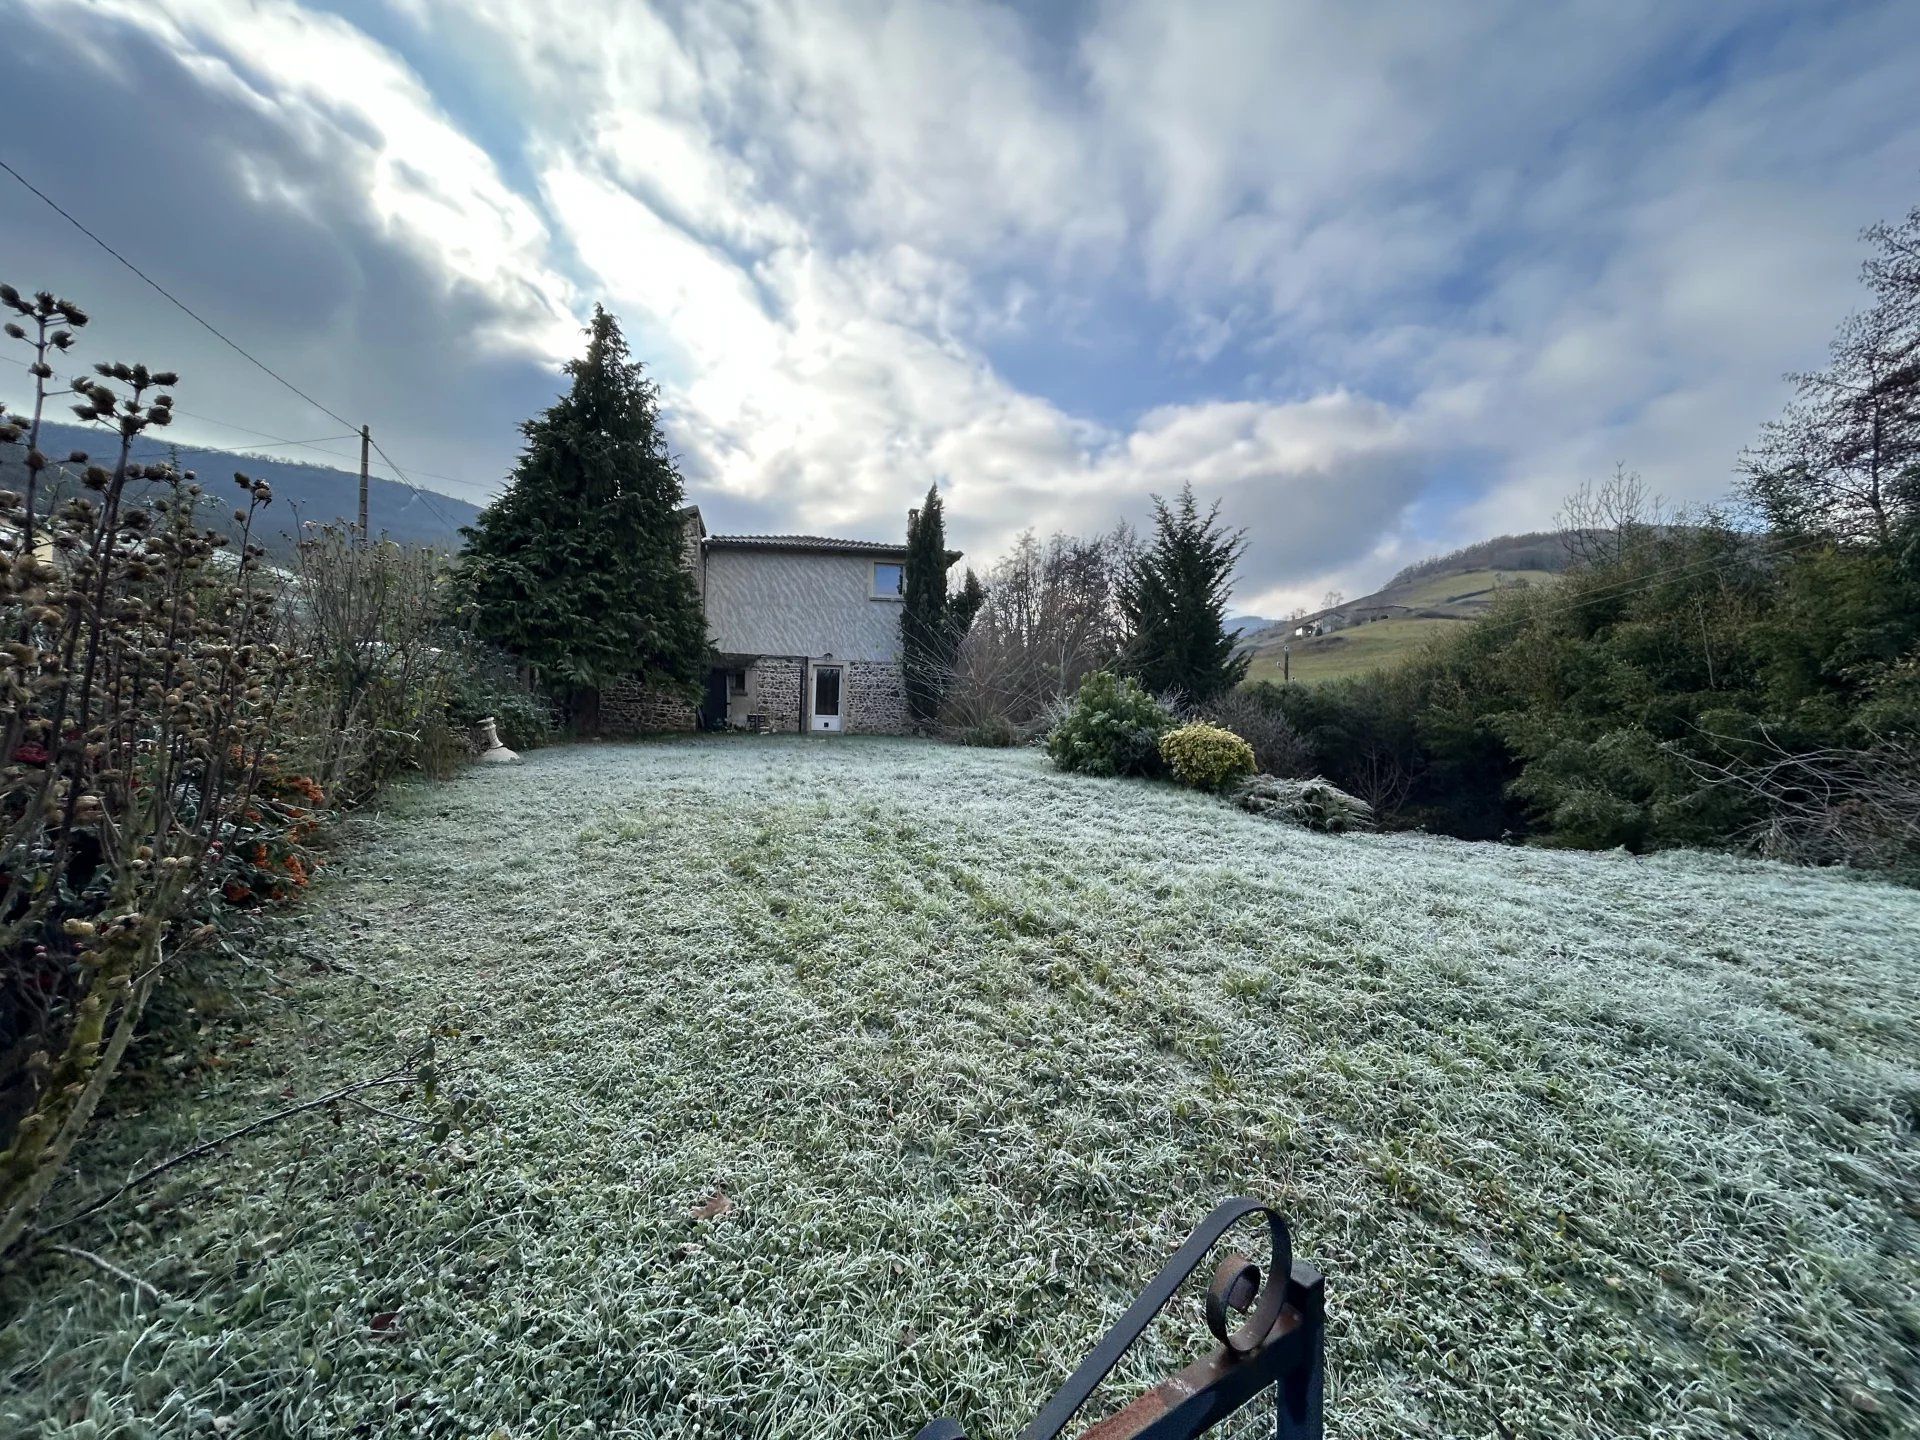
[1340,251]
[820,385]
[1284,180]
[345,99]
[817,294]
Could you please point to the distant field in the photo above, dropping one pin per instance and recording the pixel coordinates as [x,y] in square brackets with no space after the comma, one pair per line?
[1359,648]
[1351,651]
[1472,589]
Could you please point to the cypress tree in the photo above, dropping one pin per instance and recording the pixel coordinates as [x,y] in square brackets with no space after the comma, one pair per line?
[932,624]
[1175,602]
[579,567]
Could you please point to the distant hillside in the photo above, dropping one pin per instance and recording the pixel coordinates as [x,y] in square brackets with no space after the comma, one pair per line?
[1422,601]
[1535,550]
[301,492]
[1247,624]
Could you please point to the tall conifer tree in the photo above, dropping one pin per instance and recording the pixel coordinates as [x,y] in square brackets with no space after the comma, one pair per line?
[579,568]
[933,623]
[1175,602]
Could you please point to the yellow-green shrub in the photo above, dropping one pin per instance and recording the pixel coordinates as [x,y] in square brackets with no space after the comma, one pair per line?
[1206,756]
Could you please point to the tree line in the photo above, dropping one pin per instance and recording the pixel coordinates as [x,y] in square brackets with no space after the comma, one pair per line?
[1060,610]
[1745,675]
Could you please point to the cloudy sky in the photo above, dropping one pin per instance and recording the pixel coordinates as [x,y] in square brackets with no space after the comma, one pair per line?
[1382,278]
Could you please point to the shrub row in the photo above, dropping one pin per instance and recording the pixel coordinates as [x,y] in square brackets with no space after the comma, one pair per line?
[1113,727]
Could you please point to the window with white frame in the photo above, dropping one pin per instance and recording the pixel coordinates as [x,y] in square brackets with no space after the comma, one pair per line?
[889,580]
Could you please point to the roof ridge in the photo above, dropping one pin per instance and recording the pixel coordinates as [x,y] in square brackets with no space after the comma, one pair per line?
[799,539]
[826,543]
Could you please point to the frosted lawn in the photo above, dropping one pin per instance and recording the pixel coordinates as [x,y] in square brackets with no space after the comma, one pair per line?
[1592,1144]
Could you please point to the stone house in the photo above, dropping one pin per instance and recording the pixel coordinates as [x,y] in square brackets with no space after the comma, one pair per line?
[805,633]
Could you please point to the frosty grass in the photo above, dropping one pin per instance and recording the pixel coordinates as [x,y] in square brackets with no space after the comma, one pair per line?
[1587,1145]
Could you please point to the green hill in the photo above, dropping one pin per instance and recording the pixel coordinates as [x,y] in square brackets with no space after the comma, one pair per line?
[301,492]
[1419,603]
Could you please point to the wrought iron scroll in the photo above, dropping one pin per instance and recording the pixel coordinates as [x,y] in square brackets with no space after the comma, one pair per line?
[1279,1346]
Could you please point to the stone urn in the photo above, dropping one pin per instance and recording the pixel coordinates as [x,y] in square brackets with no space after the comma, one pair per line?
[486,734]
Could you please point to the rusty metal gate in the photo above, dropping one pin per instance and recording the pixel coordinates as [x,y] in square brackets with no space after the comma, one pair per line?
[1279,1349]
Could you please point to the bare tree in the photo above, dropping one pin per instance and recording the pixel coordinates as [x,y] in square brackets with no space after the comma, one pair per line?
[1824,806]
[1601,523]
[1844,460]
[1051,618]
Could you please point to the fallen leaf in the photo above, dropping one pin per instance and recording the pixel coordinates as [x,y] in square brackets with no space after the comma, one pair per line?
[714,1206]
[385,1321]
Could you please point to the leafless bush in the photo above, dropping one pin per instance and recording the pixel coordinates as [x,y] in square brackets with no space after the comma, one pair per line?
[376,692]
[1051,618]
[1828,806]
[1277,746]
[1382,778]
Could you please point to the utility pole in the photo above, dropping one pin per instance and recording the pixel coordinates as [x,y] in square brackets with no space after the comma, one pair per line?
[365,440]
[1286,664]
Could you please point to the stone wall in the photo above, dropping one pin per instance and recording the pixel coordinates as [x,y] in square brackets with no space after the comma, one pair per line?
[629,707]
[693,551]
[876,701]
[775,683]
[873,699]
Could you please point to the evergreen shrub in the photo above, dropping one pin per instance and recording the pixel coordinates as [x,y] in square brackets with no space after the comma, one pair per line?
[1113,728]
[1206,757]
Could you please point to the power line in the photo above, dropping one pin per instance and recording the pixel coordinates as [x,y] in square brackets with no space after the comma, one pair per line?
[399,477]
[170,298]
[314,443]
[317,443]
[233,345]
[411,486]
[450,479]
[1638,584]
[1620,589]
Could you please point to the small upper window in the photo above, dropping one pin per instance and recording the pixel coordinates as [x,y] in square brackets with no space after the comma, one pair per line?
[739,682]
[889,580]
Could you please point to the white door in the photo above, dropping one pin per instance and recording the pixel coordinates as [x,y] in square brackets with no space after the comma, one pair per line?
[826,697]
